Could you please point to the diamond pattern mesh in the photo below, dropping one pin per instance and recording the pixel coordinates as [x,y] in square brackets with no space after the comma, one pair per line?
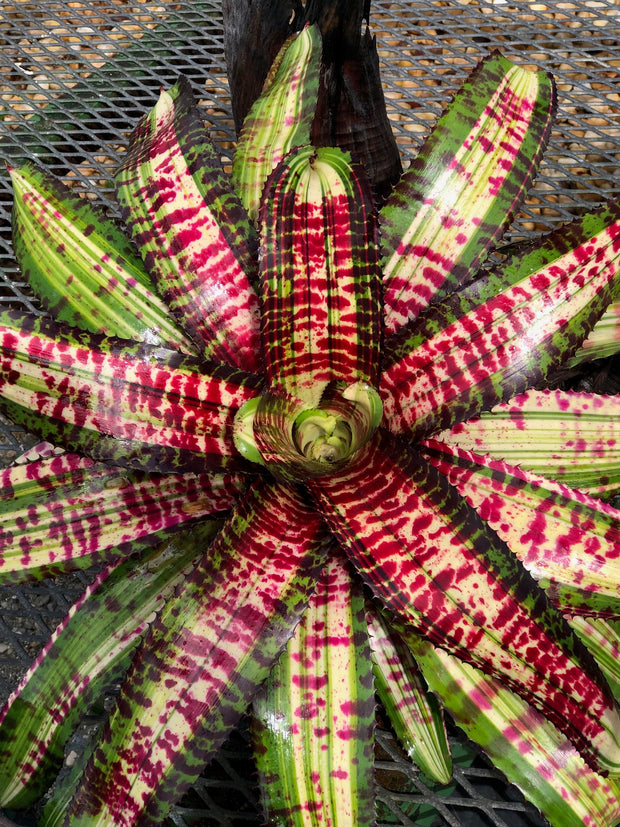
[74,77]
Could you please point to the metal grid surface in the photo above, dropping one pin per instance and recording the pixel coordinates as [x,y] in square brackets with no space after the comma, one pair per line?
[74,77]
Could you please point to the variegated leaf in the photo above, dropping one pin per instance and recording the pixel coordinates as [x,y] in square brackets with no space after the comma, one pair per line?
[63,512]
[602,637]
[439,569]
[193,233]
[465,185]
[521,742]
[91,648]
[319,272]
[568,541]
[413,711]
[505,332]
[82,267]
[604,340]
[211,648]
[314,720]
[567,436]
[280,118]
[141,406]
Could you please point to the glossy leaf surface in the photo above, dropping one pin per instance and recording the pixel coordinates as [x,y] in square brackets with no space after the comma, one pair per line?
[193,233]
[521,742]
[85,271]
[466,183]
[142,406]
[314,720]
[443,572]
[572,437]
[206,655]
[502,334]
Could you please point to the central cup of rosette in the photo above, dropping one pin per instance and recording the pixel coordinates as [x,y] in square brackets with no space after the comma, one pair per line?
[296,441]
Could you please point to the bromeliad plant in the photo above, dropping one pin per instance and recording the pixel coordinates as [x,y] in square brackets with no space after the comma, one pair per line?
[274,408]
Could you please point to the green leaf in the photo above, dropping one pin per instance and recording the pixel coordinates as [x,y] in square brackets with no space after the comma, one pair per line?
[314,719]
[193,233]
[520,742]
[604,340]
[442,571]
[570,437]
[505,332]
[603,640]
[212,646]
[141,406]
[413,711]
[280,119]
[88,651]
[82,267]
[465,186]
[64,512]
[321,315]
[568,541]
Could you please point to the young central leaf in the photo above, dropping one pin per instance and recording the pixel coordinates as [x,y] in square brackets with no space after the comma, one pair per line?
[320,287]
[319,274]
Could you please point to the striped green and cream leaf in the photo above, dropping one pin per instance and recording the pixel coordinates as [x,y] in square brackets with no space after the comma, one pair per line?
[413,711]
[314,719]
[89,650]
[567,540]
[465,185]
[321,312]
[505,332]
[520,742]
[84,270]
[142,406]
[193,233]
[441,570]
[206,655]
[280,118]
[63,512]
[571,437]
[602,637]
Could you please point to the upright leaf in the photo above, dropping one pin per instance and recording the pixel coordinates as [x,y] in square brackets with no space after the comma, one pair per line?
[280,118]
[319,274]
[465,185]
[314,720]
[193,233]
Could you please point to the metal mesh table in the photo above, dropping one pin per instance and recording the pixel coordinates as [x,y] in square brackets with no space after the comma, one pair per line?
[75,76]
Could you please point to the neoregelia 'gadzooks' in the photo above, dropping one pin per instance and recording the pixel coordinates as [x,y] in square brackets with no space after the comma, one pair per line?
[267,409]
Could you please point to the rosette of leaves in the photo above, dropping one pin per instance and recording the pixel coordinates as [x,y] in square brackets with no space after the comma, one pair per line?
[309,443]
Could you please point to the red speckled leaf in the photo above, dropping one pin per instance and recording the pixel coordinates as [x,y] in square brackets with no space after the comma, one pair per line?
[568,541]
[320,278]
[568,436]
[210,650]
[141,406]
[64,512]
[87,653]
[195,237]
[314,720]
[465,185]
[439,568]
[505,332]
